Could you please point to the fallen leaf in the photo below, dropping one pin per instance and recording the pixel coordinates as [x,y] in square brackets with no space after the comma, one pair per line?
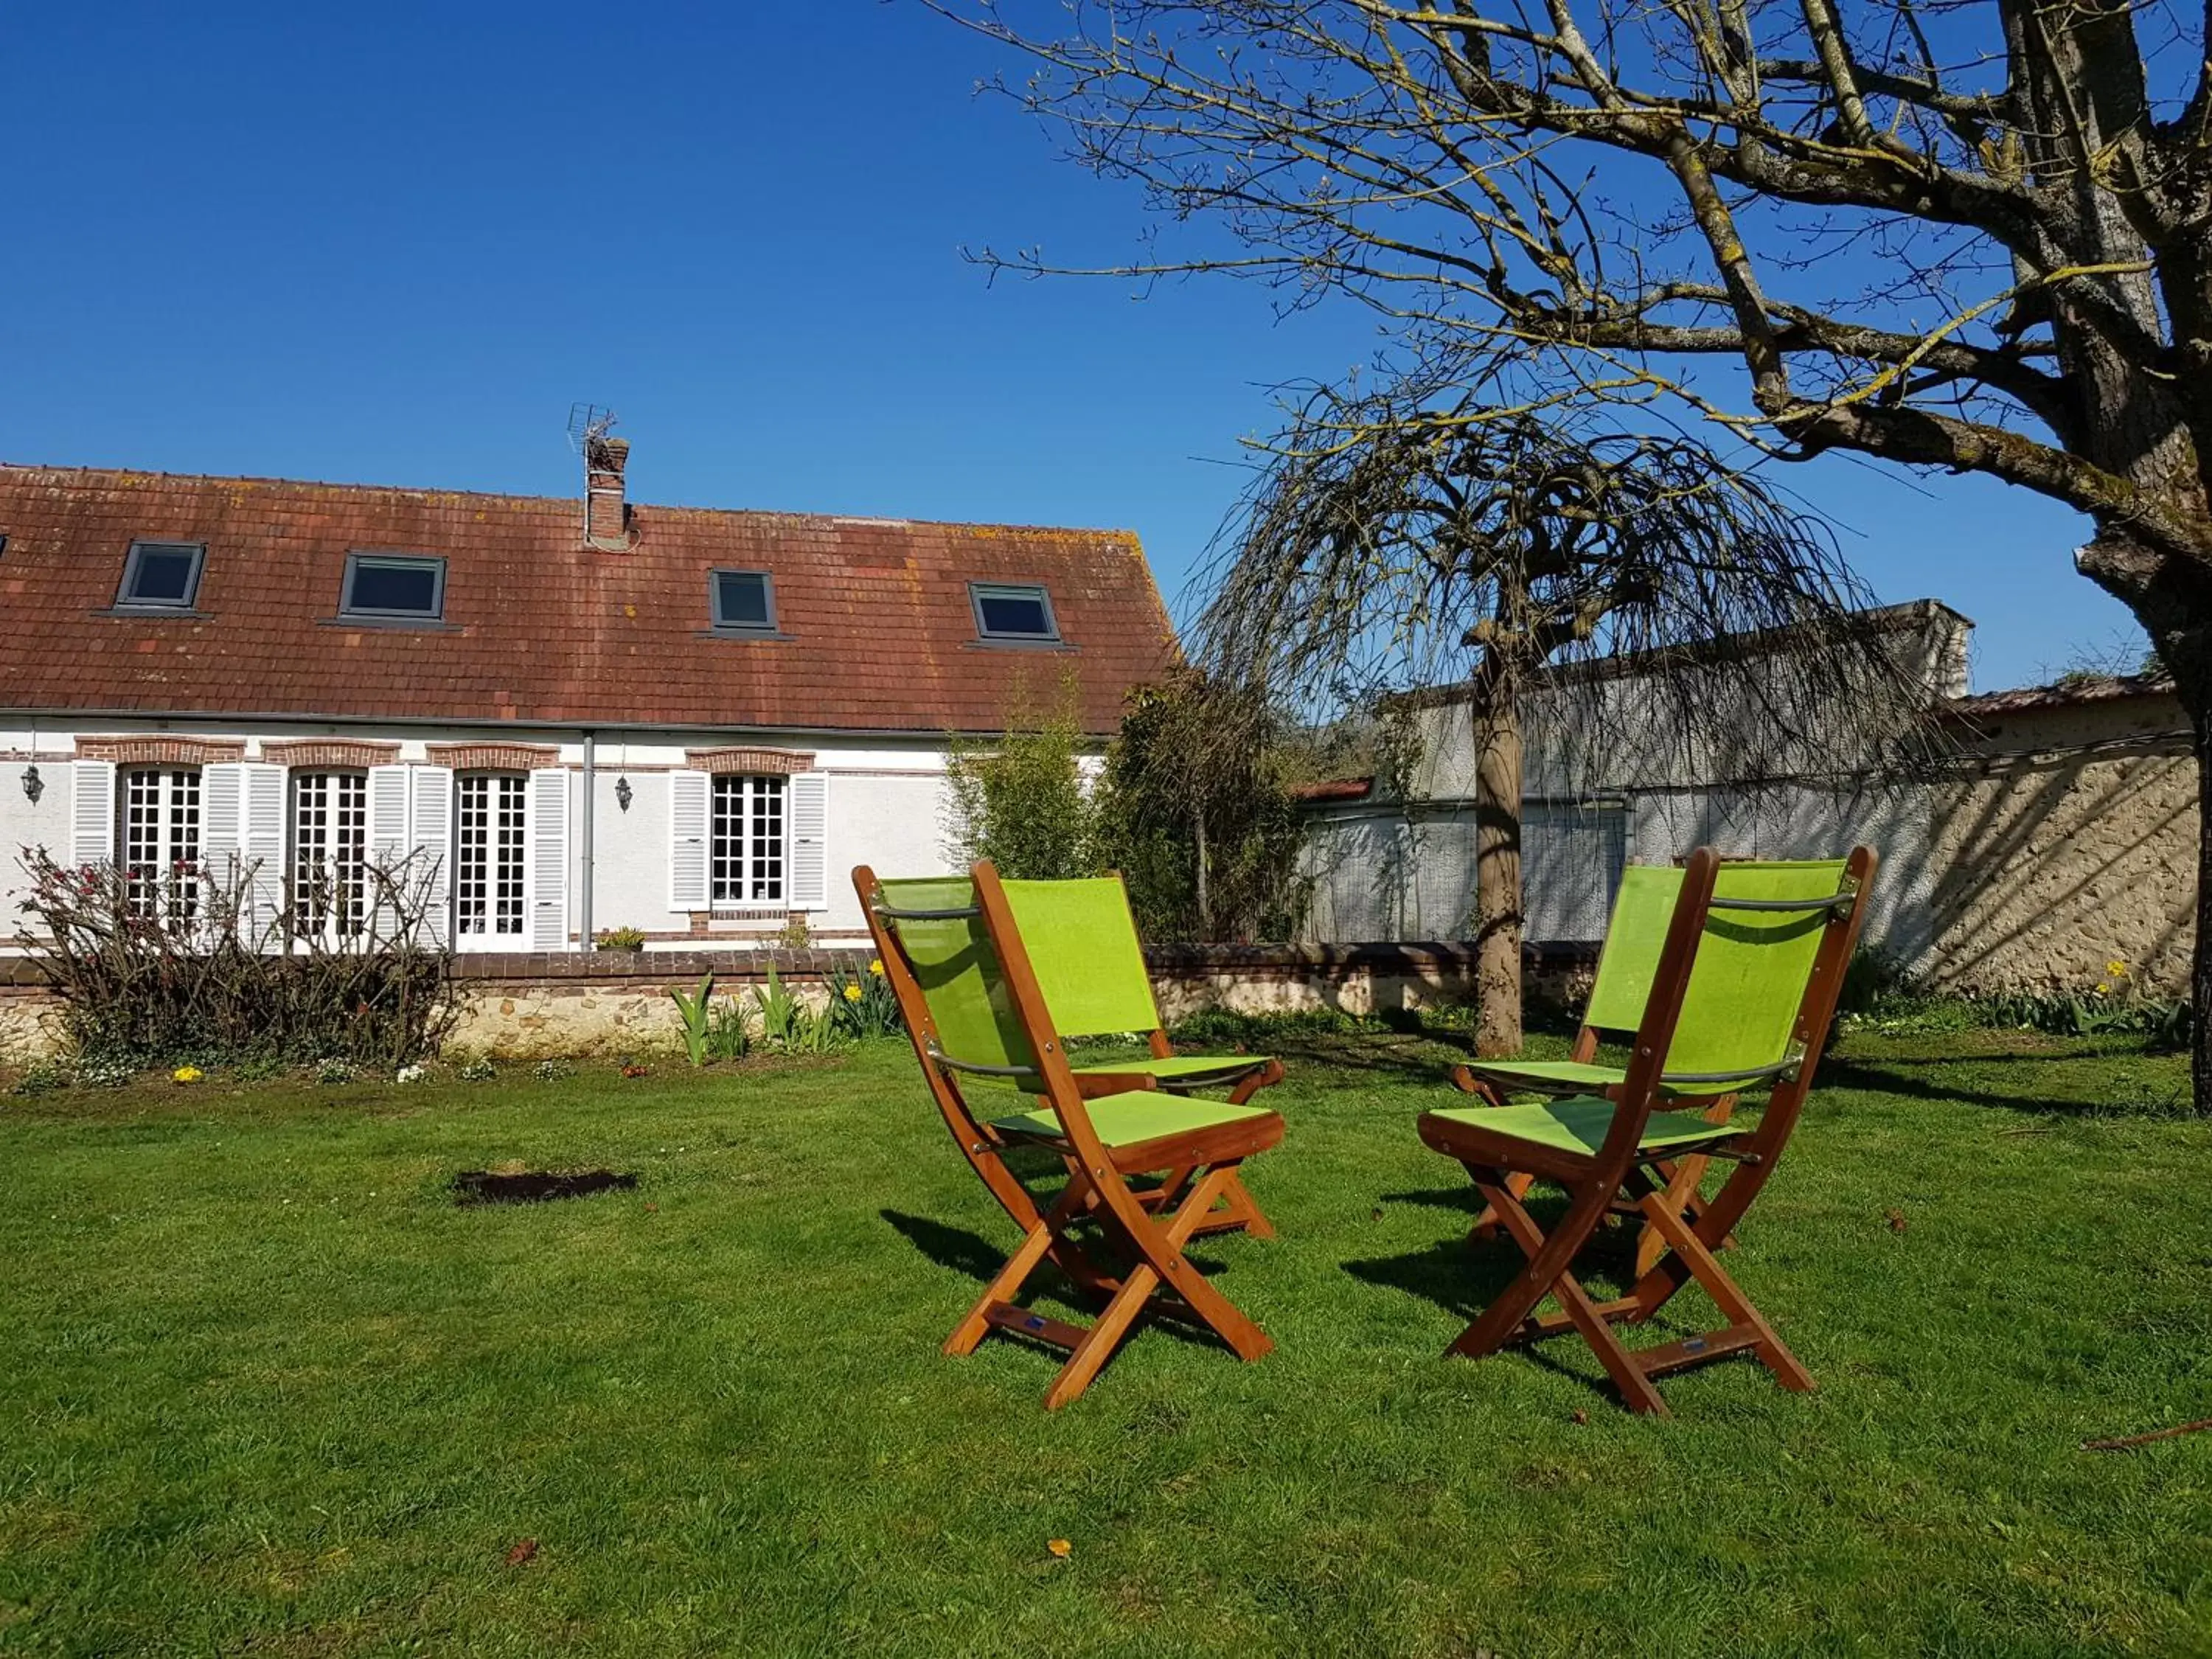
[1377,1214]
[1060,1546]
[1896,1219]
[653,1208]
[1581,1416]
[522,1552]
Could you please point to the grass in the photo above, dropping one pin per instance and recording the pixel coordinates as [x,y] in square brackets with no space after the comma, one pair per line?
[264,1389]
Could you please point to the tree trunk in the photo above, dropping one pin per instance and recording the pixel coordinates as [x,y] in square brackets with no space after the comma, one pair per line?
[2172,599]
[1205,898]
[1497,864]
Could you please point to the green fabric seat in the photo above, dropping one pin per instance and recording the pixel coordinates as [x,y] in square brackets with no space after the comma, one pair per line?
[1580,1125]
[1549,1076]
[1125,1120]
[1192,1069]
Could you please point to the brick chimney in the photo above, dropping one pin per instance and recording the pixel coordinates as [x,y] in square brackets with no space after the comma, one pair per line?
[606,514]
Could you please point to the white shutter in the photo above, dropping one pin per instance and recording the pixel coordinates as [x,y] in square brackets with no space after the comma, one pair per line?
[688,795]
[261,844]
[432,844]
[92,817]
[388,836]
[222,801]
[547,832]
[807,857]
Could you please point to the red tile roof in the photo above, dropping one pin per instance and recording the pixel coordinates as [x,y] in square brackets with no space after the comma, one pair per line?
[539,628]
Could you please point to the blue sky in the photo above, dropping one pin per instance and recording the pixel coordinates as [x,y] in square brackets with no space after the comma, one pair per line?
[393,244]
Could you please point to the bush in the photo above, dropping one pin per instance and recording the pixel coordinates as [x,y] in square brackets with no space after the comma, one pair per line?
[621,938]
[1022,803]
[206,972]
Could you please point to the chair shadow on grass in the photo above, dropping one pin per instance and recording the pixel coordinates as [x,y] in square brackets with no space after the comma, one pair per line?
[976,1257]
[1462,1276]
[1896,1078]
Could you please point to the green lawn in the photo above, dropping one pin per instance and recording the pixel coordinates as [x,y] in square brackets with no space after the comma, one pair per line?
[264,1389]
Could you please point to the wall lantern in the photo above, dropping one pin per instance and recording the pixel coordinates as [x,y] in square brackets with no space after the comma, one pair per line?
[33,785]
[622,793]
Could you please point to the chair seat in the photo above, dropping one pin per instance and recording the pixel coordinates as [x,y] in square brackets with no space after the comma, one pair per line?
[1187,1070]
[1548,1076]
[1578,1125]
[1133,1119]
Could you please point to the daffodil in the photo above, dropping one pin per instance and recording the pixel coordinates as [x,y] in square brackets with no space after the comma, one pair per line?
[2116,968]
[852,993]
[877,967]
[186,1074]
[2103,989]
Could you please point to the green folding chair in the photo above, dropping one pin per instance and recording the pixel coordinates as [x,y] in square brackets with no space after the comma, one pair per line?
[1743,993]
[1642,908]
[992,978]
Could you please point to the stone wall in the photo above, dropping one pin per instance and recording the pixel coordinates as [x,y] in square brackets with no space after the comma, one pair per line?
[612,1004]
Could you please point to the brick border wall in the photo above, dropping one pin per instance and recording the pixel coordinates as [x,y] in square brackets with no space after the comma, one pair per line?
[344,754]
[492,756]
[747,760]
[160,751]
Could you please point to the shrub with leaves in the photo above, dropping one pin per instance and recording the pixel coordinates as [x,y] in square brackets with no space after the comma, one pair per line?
[209,973]
[1023,803]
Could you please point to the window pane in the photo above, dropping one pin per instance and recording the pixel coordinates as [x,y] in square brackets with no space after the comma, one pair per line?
[408,587]
[1013,610]
[740,600]
[162,575]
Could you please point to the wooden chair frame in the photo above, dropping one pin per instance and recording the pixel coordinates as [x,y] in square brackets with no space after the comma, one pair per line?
[1148,1230]
[1691,1233]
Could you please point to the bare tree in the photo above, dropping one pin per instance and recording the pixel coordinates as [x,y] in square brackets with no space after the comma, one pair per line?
[1397,540]
[1972,235]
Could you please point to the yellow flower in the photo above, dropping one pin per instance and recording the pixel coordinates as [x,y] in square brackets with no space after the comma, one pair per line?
[2103,989]
[186,1074]
[877,967]
[2116,968]
[852,993]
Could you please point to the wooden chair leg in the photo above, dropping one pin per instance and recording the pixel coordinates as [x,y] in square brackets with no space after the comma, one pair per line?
[1743,1318]
[1628,1376]
[1688,1174]
[1002,1290]
[1161,1267]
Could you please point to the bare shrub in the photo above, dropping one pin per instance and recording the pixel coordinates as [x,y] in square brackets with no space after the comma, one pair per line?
[224,966]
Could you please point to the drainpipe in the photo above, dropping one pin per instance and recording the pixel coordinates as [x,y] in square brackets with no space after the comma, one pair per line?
[584,842]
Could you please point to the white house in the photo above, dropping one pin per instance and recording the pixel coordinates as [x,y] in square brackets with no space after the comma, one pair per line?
[594,715]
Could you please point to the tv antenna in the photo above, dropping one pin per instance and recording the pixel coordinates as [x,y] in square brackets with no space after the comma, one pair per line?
[589,427]
[588,424]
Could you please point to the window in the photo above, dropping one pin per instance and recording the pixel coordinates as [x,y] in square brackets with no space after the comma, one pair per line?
[741,601]
[390,586]
[330,853]
[161,841]
[488,866]
[745,847]
[161,576]
[1005,610]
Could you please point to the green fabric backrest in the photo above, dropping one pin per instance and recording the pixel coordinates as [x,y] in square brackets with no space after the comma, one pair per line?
[1637,933]
[959,973]
[1082,942]
[1751,971]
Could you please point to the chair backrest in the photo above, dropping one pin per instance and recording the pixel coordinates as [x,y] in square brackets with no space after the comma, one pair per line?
[1749,981]
[1633,939]
[957,971]
[1083,946]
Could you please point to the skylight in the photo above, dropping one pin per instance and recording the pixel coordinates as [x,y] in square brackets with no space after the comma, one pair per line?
[741,601]
[161,576]
[1012,611]
[389,586]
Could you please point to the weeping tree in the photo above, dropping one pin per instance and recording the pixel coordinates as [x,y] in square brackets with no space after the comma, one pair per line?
[1411,536]
[1973,236]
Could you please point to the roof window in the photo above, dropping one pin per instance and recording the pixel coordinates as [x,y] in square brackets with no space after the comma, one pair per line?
[161,576]
[1012,611]
[741,601]
[394,587]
